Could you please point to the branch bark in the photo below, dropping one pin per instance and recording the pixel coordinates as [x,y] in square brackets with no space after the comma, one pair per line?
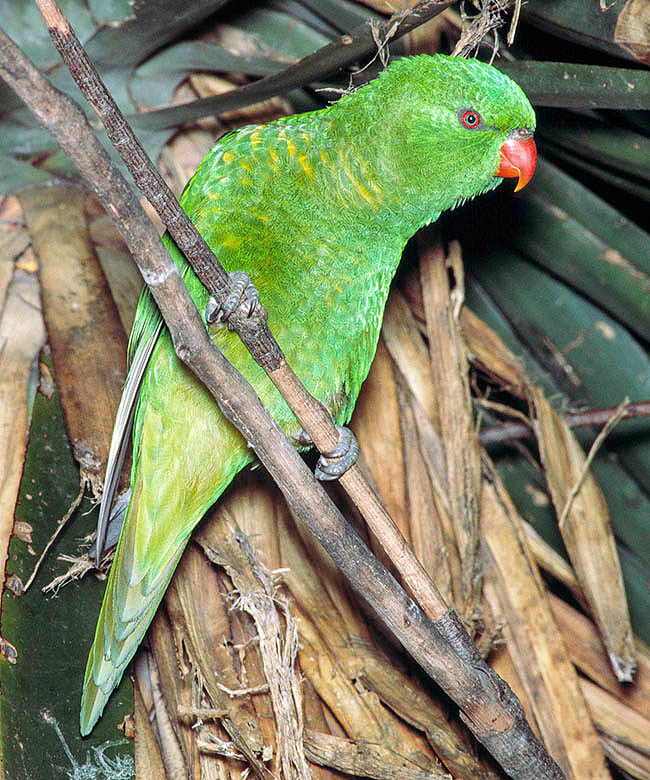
[490,709]
[507,432]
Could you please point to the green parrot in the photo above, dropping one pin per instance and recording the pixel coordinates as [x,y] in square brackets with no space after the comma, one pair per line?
[317,209]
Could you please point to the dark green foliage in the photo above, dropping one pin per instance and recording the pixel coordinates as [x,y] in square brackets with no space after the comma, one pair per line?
[51,633]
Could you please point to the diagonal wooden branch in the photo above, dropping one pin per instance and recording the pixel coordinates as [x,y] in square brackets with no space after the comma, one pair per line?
[488,706]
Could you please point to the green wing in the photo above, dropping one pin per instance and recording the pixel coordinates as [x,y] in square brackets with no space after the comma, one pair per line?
[147,326]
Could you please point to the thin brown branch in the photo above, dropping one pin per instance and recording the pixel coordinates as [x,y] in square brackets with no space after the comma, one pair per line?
[617,415]
[487,704]
[508,432]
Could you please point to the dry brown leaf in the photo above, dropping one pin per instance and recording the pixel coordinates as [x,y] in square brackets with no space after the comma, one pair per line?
[318,718]
[22,336]
[553,563]
[515,591]
[359,712]
[148,761]
[87,340]
[173,756]
[14,239]
[14,245]
[632,29]
[587,533]
[588,654]
[336,644]
[368,759]
[585,527]
[450,371]
[183,155]
[277,639]
[200,614]
[491,354]
[206,85]
[410,354]
[618,722]
[6,274]
[417,707]
[628,759]
[251,672]
[376,424]
[336,676]
[27,261]
[124,281]
[121,272]
[430,527]
[427,37]
[317,587]
[337,648]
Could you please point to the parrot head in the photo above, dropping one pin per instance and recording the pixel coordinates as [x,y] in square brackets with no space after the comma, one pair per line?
[449,128]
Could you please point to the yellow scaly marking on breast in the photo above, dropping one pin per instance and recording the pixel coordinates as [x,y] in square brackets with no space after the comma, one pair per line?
[360,189]
[274,159]
[231,242]
[246,166]
[228,156]
[214,209]
[371,181]
[255,139]
[306,165]
[291,147]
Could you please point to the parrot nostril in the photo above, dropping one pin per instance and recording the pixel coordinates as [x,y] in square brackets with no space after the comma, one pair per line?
[521,133]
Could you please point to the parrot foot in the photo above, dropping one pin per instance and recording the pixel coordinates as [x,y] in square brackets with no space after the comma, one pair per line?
[240,287]
[333,464]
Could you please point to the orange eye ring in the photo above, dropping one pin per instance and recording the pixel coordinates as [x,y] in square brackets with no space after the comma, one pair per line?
[470,119]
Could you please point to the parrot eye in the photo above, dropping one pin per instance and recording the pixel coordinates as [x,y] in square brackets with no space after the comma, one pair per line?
[470,119]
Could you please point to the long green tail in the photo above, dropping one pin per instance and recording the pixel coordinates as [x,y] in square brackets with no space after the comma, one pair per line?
[185,455]
[130,603]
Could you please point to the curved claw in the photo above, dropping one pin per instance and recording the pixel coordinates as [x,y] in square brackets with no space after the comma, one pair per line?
[303,439]
[333,464]
[240,287]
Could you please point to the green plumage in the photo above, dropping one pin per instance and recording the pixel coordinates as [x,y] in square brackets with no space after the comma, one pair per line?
[317,209]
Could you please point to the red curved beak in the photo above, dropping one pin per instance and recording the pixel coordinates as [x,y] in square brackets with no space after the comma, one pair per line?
[518,159]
